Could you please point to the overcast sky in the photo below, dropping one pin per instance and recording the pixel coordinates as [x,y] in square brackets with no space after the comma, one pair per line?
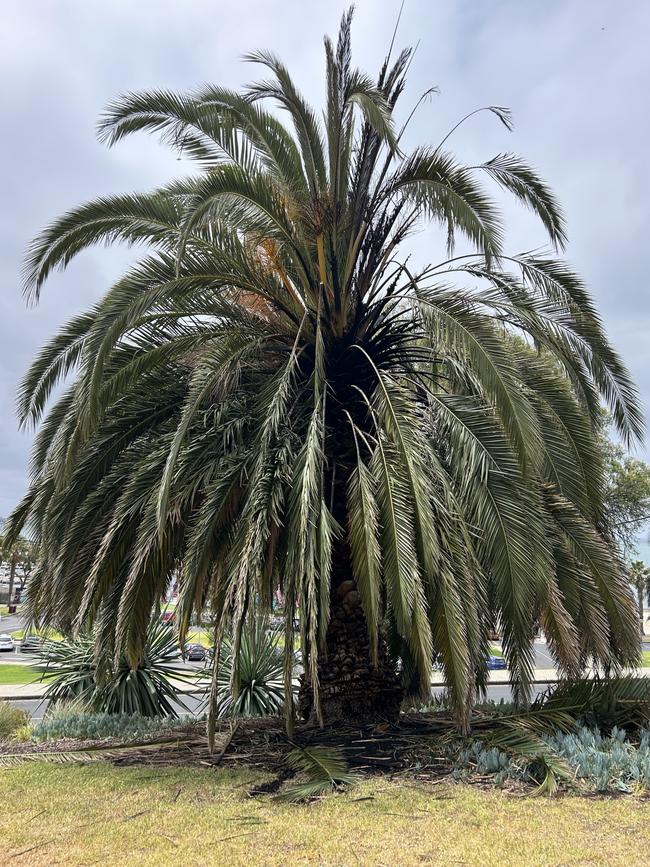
[575,74]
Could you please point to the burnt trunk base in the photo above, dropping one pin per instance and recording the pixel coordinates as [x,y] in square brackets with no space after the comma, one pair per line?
[352,688]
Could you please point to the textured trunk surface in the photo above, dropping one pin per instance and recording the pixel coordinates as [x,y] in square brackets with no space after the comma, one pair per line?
[352,689]
[639,596]
[12,577]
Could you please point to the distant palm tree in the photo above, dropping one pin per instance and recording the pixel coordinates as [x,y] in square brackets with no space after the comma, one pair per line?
[277,397]
[20,553]
[640,578]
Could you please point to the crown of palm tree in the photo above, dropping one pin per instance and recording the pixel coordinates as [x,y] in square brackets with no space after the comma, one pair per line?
[274,387]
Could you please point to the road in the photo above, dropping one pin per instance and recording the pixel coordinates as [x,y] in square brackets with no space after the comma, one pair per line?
[195,705]
[543,658]
[10,623]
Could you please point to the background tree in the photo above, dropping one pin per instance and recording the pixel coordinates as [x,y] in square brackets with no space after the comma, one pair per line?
[627,496]
[277,396]
[640,577]
[20,556]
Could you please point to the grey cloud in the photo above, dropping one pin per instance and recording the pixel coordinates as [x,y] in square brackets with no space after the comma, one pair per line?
[575,74]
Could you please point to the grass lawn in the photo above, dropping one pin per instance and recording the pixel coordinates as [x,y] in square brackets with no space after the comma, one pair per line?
[74,815]
[52,634]
[645,659]
[198,635]
[14,673]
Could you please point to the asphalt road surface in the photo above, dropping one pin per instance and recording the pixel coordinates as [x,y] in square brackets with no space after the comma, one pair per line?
[543,659]
[195,705]
[10,623]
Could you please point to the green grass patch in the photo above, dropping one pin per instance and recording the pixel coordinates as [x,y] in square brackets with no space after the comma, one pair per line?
[11,673]
[495,651]
[200,636]
[645,659]
[158,816]
[51,634]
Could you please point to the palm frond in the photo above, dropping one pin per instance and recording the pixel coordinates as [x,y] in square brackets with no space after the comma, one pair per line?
[325,768]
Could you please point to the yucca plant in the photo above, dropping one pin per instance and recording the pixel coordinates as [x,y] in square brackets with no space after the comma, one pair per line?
[260,680]
[74,673]
[277,396]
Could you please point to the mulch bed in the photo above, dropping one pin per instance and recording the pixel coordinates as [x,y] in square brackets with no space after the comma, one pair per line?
[14,748]
[263,744]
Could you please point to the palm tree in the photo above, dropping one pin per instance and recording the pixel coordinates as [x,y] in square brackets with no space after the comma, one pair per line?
[640,578]
[21,553]
[276,397]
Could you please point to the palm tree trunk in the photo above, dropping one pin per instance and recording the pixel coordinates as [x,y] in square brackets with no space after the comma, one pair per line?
[352,688]
[639,593]
[12,575]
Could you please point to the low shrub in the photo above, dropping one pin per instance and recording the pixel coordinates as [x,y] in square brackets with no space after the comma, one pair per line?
[23,734]
[606,763]
[442,702]
[261,674]
[74,723]
[478,758]
[602,762]
[11,719]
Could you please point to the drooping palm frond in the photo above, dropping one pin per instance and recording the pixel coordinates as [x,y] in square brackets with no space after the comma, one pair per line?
[622,701]
[274,399]
[522,741]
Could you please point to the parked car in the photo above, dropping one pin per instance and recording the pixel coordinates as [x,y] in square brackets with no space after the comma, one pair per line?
[496,663]
[6,643]
[31,643]
[195,653]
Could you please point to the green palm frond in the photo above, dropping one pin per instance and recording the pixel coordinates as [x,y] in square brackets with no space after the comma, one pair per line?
[514,175]
[325,768]
[622,701]
[522,741]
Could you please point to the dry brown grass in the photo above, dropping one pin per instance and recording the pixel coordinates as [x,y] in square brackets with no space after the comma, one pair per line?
[74,815]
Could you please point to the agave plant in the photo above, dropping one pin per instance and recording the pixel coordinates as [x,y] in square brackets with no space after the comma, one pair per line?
[260,679]
[276,396]
[73,675]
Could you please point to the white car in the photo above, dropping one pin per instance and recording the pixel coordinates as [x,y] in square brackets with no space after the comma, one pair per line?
[6,642]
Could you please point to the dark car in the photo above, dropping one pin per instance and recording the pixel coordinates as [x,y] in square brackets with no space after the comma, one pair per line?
[195,653]
[496,663]
[31,643]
